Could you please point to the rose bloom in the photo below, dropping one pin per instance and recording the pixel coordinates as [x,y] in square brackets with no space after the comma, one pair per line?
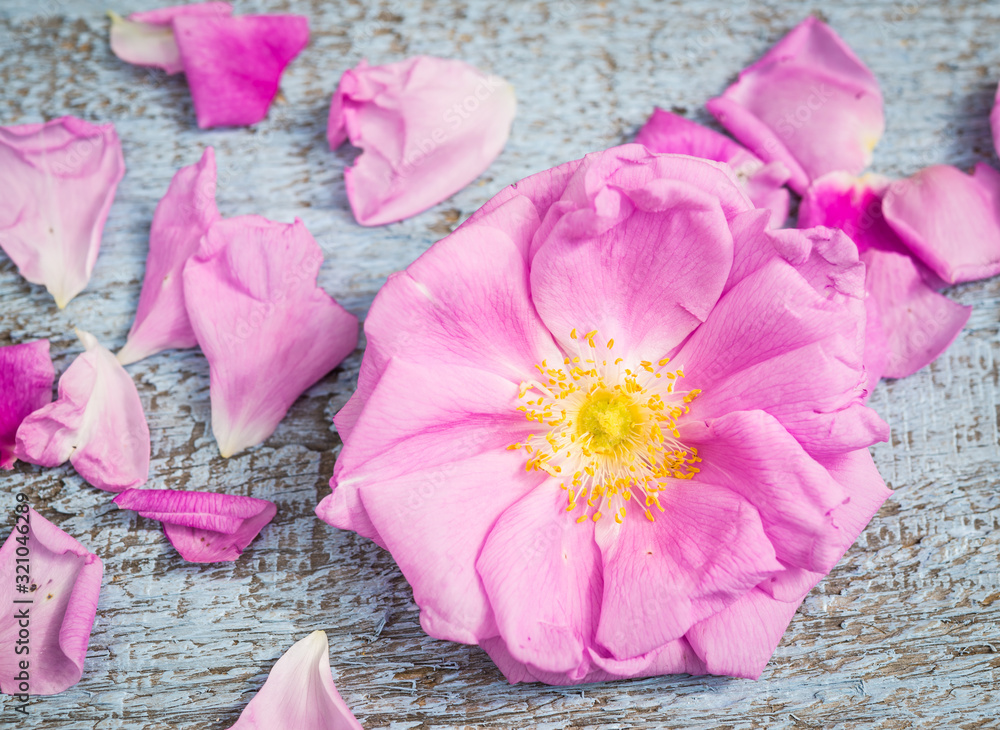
[613,426]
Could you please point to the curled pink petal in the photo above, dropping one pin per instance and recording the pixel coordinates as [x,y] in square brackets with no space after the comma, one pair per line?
[299,693]
[26,377]
[57,610]
[233,64]
[147,39]
[764,183]
[949,219]
[97,423]
[809,103]
[268,331]
[182,217]
[428,127]
[57,181]
[205,527]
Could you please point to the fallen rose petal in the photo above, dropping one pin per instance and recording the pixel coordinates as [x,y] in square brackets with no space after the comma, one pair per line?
[233,64]
[97,423]
[268,331]
[995,121]
[949,219]
[147,39]
[205,527]
[57,181]
[428,127]
[182,217]
[809,103]
[299,693]
[26,377]
[63,589]
[764,184]
[909,324]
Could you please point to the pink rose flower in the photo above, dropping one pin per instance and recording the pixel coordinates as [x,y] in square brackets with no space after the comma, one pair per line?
[613,426]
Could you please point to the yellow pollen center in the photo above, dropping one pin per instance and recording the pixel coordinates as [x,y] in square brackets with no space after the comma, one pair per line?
[609,432]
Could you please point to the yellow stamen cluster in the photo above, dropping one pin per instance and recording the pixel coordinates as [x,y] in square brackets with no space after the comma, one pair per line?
[609,432]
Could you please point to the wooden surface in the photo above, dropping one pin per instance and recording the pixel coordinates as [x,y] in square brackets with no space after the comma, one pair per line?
[904,633]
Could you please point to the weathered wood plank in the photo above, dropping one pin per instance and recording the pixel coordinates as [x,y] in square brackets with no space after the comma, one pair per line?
[904,633]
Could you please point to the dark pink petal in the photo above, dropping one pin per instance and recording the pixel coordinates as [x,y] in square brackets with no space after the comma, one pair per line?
[428,127]
[182,217]
[534,544]
[233,64]
[809,103]
[64,584]
[147,39]
[97,423]
[268,331]
[299,693]
[57,181]
[949,219]
[26,377]
[765,184]
[205,527]
[701,553]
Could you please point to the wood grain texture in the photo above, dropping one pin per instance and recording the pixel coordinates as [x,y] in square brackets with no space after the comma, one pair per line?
[904,633]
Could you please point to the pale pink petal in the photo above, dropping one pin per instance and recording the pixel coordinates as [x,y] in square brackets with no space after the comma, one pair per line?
[147,39]
[995,121]
[809,103]
[701,553]
[57,181]
[428,127]
[205,527]
[233,64]
[949,219]
[535,544]
[299,693]
[268,331]
[97,423]
[181,218]
[435,521]
[765,184]
[26,377]
[60,603]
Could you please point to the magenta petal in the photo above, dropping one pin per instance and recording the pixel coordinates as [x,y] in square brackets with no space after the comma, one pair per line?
[428,127]
[205,527]
[182,217]
[268,331]
[97,423]
[57,181]
[299,693]
[809,103]
[147,39]
[765,184]
[61,603]
[950,220]
[26,377]
[233,64]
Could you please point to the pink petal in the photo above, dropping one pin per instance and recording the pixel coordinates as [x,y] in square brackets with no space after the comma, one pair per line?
[995,121]
[97,423]
[909,323]
[705,550]
[26,377]
[669,133]
[205,527]
[147,39]
[61,606]
[233,64]
[182,217]
[57,181]
[428,126]
[299,693]
[809,103]
[950,220]
[534,544]
[268,331]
